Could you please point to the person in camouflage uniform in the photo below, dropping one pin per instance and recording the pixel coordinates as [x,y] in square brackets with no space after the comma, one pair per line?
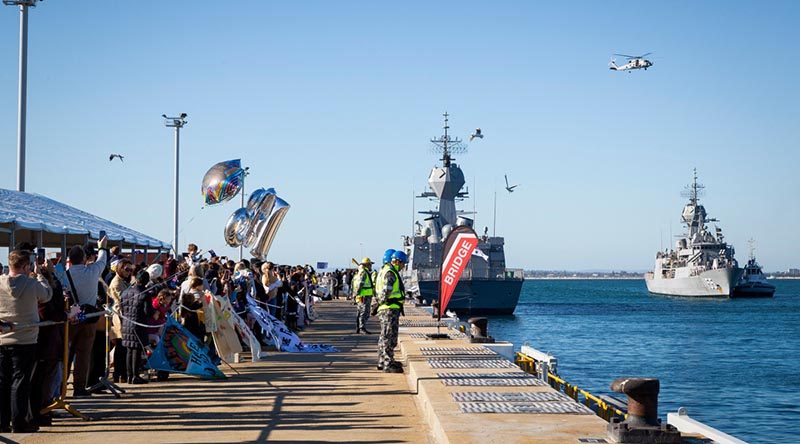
[363,289]
[390,297]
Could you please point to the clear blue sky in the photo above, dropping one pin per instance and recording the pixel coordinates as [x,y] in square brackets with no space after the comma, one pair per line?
[332,103]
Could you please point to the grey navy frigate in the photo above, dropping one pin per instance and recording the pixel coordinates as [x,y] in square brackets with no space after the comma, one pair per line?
[702,263]
[487,286]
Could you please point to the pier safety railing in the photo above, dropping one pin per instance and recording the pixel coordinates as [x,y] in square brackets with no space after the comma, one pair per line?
[544,366]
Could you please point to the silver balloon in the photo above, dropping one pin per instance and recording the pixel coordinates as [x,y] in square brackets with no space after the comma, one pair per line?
[256,225]
[266,233]
[258,210]
[256,199]
[237,227]
[223,181]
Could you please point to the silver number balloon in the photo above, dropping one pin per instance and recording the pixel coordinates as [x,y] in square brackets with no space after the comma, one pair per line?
[236,227]
[267,233]
[256,225]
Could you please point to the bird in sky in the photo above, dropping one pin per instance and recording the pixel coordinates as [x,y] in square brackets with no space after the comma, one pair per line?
[510,189]
[120,156]
[477,134]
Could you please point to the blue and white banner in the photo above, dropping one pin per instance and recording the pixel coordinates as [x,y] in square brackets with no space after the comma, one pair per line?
[179,351]
[283,338]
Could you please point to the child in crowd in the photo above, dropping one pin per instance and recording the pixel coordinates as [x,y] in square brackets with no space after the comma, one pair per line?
[192,309]
[161,306]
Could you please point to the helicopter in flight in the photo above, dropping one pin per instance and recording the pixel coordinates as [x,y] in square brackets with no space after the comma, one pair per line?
[631,63]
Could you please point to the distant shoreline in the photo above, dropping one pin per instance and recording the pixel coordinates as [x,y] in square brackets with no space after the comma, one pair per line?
[584,278]
[611,278]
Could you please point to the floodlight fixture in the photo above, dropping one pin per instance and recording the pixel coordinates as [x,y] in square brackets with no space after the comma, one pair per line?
[175,122]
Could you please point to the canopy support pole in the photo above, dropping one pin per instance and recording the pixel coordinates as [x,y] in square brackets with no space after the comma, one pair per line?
[133,254]
[12,237]
[64,249]
[145,255]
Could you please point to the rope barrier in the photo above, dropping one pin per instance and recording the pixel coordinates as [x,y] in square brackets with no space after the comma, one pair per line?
[6,327]
[138,323]
[266,304]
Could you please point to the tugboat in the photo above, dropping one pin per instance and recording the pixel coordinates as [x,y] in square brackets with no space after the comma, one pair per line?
[753,283]
[702,263]
[486,286]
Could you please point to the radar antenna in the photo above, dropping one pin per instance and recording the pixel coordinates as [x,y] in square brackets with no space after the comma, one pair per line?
[693,191]
[448,145]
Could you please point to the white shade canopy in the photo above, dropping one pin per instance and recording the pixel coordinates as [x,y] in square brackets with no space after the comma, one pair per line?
[32,217]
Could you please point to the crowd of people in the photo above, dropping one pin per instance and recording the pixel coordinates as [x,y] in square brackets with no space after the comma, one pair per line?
[38,297]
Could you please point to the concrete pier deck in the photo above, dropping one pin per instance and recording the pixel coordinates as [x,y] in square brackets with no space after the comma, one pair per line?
[476,373]
[286,397]
[333,397]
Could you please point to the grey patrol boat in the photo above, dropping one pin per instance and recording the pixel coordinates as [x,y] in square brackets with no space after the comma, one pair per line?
[487,286]
[702,263]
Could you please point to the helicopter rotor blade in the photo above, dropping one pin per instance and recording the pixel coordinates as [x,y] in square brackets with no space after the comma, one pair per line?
[626,56]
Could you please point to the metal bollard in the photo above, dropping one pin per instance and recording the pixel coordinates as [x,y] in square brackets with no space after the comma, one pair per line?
[479,330]
[642,399]
[642,425]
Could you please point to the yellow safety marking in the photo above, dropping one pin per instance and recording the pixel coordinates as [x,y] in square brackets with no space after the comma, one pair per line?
[604,410]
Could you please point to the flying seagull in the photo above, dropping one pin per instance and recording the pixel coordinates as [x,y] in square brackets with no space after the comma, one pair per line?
[120,156]
[510,189]
[476,134]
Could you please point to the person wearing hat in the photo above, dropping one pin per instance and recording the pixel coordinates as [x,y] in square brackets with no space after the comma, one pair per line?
[363,289]
[390,296]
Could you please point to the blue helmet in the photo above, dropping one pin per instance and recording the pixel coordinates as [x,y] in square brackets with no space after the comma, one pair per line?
[387,256]
[400,256]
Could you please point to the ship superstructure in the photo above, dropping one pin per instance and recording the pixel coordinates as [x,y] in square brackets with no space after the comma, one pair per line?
[487,286]
[702,263]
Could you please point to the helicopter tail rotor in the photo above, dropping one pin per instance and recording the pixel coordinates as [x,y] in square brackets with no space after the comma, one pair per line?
[612,64]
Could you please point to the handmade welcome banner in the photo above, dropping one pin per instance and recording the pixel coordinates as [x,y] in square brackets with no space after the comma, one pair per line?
[226,341]
[228,324]
[179,351]
[283,338]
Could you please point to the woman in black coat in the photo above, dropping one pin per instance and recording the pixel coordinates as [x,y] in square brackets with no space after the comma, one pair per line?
[49,352]
[136,307]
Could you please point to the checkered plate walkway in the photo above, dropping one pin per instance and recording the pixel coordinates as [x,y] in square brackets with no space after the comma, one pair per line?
[452,334]
[570,407]
[451,351]
[505,379]
[470,363]
[409,323]
[510,397]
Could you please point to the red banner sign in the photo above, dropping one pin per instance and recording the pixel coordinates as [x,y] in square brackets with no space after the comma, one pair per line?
[457,252]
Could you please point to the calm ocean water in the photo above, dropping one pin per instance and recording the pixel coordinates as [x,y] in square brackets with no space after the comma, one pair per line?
[734,364]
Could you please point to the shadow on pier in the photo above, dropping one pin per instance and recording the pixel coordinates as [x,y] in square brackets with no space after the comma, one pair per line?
[286,397]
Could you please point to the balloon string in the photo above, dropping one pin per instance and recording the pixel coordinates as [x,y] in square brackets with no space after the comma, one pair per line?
[185,225]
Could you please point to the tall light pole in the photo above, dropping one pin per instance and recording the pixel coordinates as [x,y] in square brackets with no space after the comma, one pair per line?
[23,85]
[177,123]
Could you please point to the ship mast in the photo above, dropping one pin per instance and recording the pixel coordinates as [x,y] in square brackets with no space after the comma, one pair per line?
[446,144]
[446,181]
[694,215]
[694,190]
